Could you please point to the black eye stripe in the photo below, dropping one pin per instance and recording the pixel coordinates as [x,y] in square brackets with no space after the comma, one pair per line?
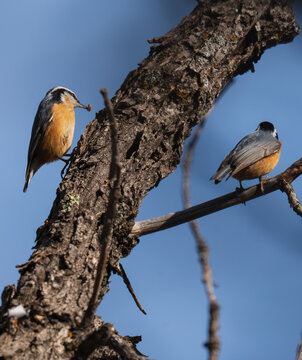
[71,93]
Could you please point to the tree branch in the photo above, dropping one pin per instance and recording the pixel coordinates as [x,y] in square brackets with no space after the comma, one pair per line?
[107,336]
[120,270]
[106,237]
[177,218]
[292,197]
[213,343]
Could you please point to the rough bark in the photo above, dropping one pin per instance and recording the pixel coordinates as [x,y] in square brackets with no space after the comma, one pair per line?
[155,108]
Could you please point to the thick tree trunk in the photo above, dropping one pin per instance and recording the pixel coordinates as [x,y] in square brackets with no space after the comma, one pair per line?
[155,108]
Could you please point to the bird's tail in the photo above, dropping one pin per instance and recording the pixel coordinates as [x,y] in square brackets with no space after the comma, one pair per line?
[28,176]
[221,173]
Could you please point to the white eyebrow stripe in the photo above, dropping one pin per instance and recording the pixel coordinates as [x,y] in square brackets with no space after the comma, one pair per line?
[63,88]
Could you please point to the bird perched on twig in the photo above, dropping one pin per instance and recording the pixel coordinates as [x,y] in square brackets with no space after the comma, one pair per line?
[52,130]
[253,157]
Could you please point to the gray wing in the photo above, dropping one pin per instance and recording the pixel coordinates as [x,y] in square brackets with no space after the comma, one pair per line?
[41,122]
[252,149]
[231,156]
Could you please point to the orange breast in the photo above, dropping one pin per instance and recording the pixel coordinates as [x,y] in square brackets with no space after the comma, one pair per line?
[59,134]
[259,168]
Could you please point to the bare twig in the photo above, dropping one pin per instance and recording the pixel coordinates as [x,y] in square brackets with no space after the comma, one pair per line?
[106,236]
[299,351]
[173,219]
[292,197]
[120,270]
[213,343]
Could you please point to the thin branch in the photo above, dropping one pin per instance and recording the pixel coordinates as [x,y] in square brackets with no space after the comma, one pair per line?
[213,343]
[120,270]
[177,218]
[299,351]
[292,197]
[106,236]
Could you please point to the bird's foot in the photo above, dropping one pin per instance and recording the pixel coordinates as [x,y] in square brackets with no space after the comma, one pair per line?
[261,183]
[239,190]
[66,161]
[65,166]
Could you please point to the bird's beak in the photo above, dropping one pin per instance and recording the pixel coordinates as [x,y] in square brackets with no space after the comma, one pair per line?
[88,107]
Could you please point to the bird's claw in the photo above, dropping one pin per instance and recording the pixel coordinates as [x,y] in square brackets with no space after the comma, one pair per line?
[65,166]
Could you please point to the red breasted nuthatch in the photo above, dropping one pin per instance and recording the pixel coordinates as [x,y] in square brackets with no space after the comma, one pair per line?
[52,131]
[254,156]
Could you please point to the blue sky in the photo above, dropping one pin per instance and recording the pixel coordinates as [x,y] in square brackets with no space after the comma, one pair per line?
[255,250]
